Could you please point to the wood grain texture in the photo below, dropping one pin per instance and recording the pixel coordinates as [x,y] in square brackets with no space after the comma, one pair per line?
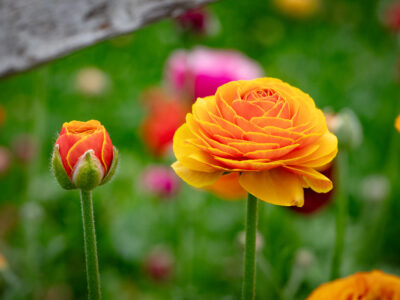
[33,32]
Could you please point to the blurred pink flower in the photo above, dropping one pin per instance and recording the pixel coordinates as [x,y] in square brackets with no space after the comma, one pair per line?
[5,160]
[198,73]
[161,181]
[159,264]
[25,148]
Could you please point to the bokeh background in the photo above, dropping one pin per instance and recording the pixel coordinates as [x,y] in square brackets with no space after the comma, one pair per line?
[159,238]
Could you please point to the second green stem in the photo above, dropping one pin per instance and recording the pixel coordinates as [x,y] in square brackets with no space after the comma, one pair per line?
[249,278]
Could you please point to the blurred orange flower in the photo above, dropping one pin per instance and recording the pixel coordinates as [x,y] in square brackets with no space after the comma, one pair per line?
[268,132]
[365,285]
[397,123]
[166,114]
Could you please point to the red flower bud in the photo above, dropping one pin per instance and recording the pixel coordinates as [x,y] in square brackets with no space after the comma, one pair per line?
[84,156]
[78,137]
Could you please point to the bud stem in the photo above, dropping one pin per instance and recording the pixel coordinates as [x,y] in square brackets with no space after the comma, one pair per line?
[89,233]
[249,278]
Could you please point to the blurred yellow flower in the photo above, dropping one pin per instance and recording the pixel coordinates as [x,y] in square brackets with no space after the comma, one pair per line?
[267,132]
[298,8]
[397,123]
[363,286]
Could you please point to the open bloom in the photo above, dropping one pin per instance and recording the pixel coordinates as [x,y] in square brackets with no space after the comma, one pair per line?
[268,132]
[200,72]
[363,286]
[83,156]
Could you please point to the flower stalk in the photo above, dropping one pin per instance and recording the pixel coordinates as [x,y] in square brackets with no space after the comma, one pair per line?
[89,234]
[249,278]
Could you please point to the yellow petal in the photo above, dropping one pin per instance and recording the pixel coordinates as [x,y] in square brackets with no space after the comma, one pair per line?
[315,180]
[228,187]
[190,156]
[276,186]
[195,178]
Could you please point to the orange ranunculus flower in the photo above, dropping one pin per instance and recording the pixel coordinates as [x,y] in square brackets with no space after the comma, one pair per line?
[77,137]
[397,123]
[361,286]
[267,131]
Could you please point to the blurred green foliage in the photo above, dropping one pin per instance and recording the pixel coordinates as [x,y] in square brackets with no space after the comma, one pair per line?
[342,57]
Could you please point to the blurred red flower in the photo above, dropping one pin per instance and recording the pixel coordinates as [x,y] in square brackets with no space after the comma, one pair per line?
[195,20]
[165,114]
[392,16]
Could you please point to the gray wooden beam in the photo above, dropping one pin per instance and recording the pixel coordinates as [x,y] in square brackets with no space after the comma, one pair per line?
[33,32]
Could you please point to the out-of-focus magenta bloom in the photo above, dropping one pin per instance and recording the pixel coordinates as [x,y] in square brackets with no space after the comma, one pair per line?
[198,73]
[165,114]
[5,160]
[159,264]
[161,181]
[195,20]
[313,201]
[25,148]
[392,16]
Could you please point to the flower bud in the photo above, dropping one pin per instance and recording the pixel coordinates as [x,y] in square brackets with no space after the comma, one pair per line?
[91,81]
[375,188]
[159,264]
[160,181]
[83,156]
[347,127]
[304,258]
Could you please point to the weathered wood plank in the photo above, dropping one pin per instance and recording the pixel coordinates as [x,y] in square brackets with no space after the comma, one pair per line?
[35,31]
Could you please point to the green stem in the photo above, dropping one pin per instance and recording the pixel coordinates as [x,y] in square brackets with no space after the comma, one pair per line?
[249,278]
[89,233]
[341,215]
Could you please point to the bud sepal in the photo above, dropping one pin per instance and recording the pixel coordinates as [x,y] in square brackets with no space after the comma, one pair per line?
[88,172]
[113,167]
[59,172]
